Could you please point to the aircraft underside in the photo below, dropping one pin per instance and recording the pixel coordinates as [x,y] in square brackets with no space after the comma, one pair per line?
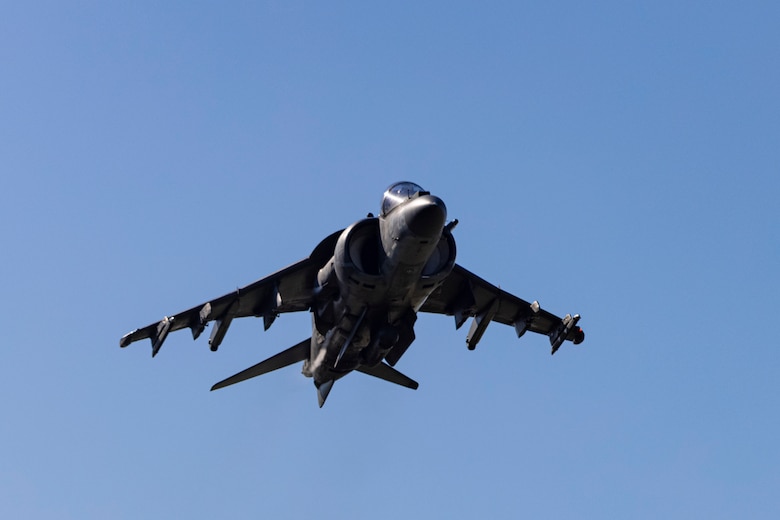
[364,287]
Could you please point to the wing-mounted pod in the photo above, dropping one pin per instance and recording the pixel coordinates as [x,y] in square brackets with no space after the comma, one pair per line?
[163,328]
[157,333]
[268,306]
[463,304]
[222,324]
[201,320]
[522,324]
[288,290]
[566,330]
[480,323]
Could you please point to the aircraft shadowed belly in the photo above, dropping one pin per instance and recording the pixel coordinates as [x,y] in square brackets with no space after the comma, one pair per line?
[364,286]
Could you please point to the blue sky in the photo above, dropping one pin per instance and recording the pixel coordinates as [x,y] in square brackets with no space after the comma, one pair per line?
[620,161]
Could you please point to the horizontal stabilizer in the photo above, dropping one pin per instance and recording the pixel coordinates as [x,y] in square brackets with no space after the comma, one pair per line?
[292,355]
[388,373]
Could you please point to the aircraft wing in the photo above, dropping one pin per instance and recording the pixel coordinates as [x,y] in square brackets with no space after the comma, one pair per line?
[464,294]
[287,290]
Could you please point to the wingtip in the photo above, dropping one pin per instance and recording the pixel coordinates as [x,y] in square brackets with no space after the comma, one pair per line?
[125,340]
[218,385]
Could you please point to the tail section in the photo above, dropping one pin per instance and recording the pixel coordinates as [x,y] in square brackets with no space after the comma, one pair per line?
[292,355]
[323,390]
[382,371]
[301,352]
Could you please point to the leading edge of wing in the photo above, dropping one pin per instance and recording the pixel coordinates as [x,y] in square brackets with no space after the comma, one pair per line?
[464,294]
[286,290]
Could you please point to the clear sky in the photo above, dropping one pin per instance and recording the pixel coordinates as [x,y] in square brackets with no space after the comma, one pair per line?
[621,161]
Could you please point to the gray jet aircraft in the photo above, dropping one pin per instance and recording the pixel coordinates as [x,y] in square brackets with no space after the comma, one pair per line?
[364,286]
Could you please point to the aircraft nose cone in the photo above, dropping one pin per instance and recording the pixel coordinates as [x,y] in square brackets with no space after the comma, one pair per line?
[425,216]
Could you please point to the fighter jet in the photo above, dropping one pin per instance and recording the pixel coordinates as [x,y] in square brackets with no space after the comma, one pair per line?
[364,286]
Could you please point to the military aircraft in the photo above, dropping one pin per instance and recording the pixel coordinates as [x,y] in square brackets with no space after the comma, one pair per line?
[364,286]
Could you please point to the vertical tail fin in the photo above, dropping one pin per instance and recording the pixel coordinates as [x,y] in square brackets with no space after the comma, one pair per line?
[323,390]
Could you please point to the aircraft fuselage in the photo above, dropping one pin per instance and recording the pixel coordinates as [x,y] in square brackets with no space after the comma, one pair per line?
[382,270]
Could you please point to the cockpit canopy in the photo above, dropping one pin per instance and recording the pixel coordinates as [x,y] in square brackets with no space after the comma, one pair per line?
[398,193]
